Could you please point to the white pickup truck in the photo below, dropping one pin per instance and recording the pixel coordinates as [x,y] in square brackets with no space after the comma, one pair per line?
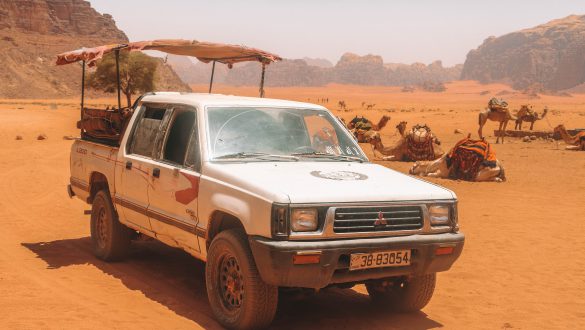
[271,194]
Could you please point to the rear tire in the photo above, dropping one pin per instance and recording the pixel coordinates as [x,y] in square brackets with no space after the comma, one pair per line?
[110,239]
[238,297]
[409,295]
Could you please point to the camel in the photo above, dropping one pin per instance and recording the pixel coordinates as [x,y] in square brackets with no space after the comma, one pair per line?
[366,124]
[401,127]
[363,128]
[423,146]
[440,169]
[342,105]
[497,110]
[575,142]
[526,114]
[370,106]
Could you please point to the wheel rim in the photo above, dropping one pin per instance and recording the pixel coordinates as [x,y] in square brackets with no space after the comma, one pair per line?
[231,282]
[101,228]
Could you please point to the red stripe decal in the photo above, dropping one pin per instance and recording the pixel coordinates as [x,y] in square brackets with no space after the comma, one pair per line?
[188,195]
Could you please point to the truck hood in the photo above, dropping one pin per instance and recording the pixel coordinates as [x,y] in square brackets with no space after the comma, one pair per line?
[325,182]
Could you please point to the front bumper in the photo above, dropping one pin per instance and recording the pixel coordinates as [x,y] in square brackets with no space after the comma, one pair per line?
[274,259]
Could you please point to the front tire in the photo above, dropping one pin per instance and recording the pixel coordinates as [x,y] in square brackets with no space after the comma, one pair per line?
[408,295]
[110,239]
[238,297]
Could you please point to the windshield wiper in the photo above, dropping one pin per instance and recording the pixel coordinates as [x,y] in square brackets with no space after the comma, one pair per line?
[257,155]
[329,156]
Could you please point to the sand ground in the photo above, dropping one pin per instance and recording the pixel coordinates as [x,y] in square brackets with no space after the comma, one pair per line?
[523,265]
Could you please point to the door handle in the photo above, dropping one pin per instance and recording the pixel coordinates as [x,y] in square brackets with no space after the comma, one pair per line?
[128,165]
[156,172]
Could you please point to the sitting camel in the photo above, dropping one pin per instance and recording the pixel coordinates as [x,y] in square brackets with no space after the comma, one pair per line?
[418,144]
[366,124]
[401,127]
[363,129]
[575,142]
[471,160]
[528,115]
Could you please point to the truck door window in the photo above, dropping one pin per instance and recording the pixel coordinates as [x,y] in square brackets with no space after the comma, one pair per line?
[180,133]
[146,131]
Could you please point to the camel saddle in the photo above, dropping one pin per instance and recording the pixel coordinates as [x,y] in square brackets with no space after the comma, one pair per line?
[467,156]
[419,144]
[104,124]
[499,105]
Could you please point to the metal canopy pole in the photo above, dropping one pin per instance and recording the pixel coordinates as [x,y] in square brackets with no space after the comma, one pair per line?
[262,80]
[211,80]
[82,88]
[118,78]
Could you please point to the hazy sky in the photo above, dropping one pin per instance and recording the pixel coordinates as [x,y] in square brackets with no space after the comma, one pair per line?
[400,31]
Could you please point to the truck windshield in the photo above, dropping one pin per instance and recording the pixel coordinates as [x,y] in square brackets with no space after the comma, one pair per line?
[279,134]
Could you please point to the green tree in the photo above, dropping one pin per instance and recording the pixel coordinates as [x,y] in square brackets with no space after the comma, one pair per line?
[137,72]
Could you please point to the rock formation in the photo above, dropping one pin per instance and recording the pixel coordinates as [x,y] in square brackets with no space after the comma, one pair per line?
[547,57]
[350,69]
[33,32]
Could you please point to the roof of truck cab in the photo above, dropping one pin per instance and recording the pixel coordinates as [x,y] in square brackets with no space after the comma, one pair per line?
[201,100]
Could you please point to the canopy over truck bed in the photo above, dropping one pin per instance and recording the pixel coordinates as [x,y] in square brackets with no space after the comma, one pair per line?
[107,125]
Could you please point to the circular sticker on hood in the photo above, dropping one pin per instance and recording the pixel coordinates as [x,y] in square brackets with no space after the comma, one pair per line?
[340,175]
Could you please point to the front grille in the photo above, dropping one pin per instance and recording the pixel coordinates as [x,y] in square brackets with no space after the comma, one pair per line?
[376,219]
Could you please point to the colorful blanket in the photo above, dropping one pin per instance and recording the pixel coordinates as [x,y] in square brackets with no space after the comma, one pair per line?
[467,156]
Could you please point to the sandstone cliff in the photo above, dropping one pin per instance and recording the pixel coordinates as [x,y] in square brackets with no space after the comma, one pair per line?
[32,32]
[547,57]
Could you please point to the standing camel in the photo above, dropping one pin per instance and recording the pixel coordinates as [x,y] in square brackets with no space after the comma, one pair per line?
[527,115]
[575,142]
[501,116]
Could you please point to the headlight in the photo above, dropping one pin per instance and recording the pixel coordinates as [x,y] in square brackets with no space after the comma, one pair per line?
[304,220]
[439,215]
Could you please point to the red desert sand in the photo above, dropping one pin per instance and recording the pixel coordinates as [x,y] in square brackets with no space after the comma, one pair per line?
[523,265]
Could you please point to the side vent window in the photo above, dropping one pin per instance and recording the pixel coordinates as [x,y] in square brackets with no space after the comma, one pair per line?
[180,133]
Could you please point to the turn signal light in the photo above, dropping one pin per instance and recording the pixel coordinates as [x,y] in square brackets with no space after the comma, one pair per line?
[305,259]
[444,250]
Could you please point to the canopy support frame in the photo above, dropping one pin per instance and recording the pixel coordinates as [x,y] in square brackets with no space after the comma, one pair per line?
[82,90]
[117,51]
[212,74]
[262,79]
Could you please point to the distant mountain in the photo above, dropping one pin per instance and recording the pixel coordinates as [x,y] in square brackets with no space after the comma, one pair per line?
[350,69]
[547,57]
[33,32]
[318,62]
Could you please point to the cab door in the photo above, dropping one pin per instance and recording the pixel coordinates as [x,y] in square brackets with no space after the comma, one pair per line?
[174,191]
[134,174]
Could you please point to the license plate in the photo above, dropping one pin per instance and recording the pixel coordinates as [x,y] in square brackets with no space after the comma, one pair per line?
[379,259]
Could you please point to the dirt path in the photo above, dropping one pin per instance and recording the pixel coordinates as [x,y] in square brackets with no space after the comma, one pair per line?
[523,265]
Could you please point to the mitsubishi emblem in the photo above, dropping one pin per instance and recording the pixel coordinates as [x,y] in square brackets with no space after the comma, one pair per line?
[380,221]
